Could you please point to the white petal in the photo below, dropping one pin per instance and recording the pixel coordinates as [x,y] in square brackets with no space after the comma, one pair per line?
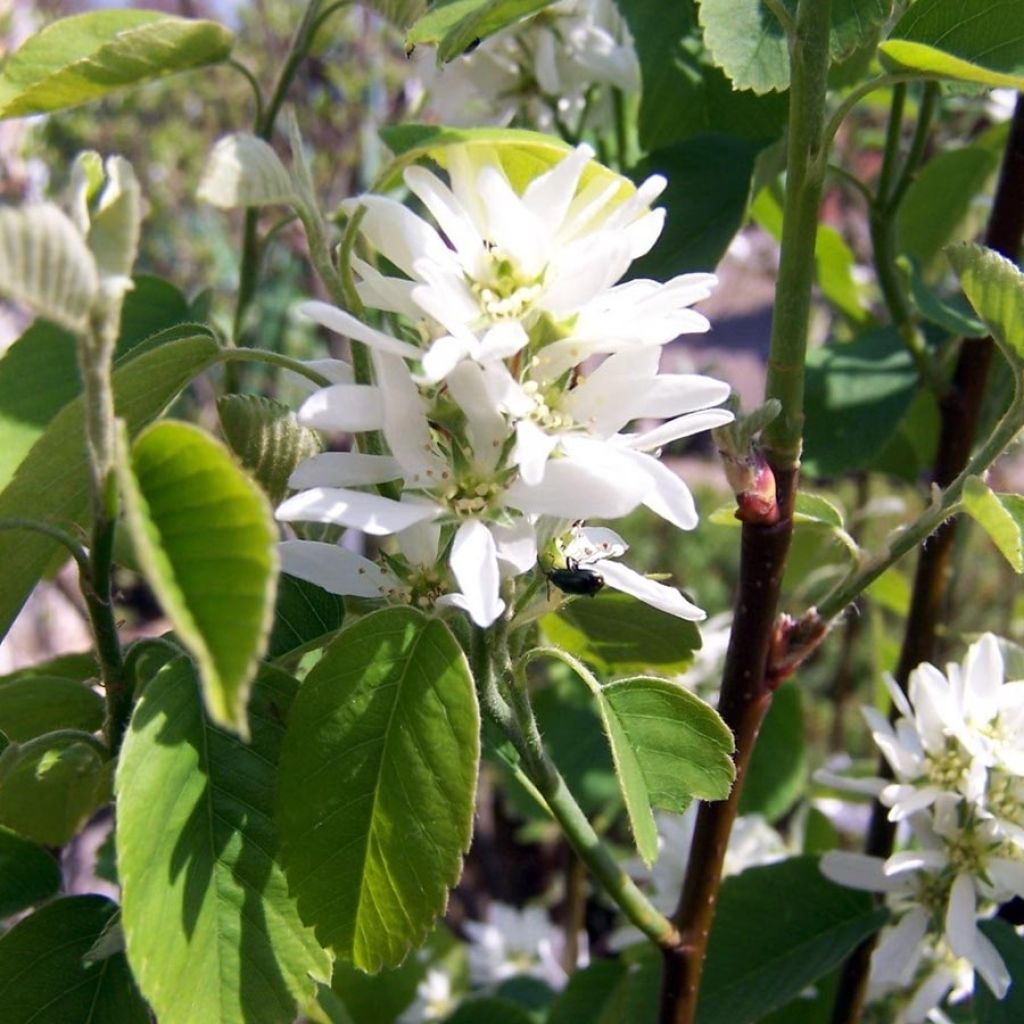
[348,326]
[512,227]
[369,512]
[856,871]
[406,429]
[337,371]
[419,543]
[334,568]
[516,545]
[683,426]
[668,497]
[585,268]
[928,996]
[503,340]
[961,922]
[990,965]
[1008,876]
[596,542]
[914,860]
[531,451]
[398,233]
[345,407]
[391,294]
[644,232]
[344,469]
[983,669]
[896,957]
[451,217]
[657,595]
[485,424]
[550,194]
[474,562]
[672,394]
[442,357]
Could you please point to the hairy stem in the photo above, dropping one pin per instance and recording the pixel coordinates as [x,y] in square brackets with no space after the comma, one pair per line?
[960,411]
[746,686]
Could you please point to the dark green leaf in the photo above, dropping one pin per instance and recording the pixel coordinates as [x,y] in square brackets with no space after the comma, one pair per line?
[304,615]
[267,438]
[81,58]
[778,929]
[32,705]
[212,933]
[616,633]
[52,481]
[952,314]
[778,768]
[709,181]
[490,1010]
[592,995]
[66,666]
[28,874]
[51,786]
[45,980]
[205,536]
[1009,1009]
[378,774]
[979,41]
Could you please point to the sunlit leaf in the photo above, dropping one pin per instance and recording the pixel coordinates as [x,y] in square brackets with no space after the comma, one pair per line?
[995,288]
[1001,516]
[244,170]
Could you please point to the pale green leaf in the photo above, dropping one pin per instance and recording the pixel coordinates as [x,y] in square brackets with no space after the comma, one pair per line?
[616,633]
[51,785]
[995,288]
[44,978]
[205,536]
[52,482]
[81,58]
[378,773]
[814,508]
[953,313]
[980,41]
[892,591]
[267,438]
[244,170]
[114,227]
[46,265]
[28,874]
[211,931]
[457,25]
[401,13]
[33,705]
[1001,516]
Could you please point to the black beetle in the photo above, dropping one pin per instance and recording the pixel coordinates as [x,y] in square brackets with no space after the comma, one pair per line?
[574,580]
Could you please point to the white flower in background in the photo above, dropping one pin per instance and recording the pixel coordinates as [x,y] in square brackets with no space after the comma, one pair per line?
[515,942]
[539,72]
[434,1000]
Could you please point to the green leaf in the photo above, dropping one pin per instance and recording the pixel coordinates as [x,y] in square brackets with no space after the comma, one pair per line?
[952,314]
[616,633]
[995,288]
[892,591]
[456,25]
[197,852]
[401,13]
[378,773]
[856,394]
[305,616]
[709,180]
[28,874]
[52,481]
[592,995]
[683,94]
[46,265]
[244,170]
[777,930]
[749,44]
[1010,946]
[668,747]
[980,41]
[113,235]
[205,537]
[65,666]
[490,1010]
[938,206]
[44,978]
[32,705]
[267,438]
[81,58]
[45,354]
[1001,516]
[51,785]
[779,766]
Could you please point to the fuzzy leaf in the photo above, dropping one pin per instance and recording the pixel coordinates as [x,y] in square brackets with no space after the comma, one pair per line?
[243,170]
[46,265]
[86,56]
[377,780]
[113,236]
[1001,516]
[205,537]
[197,851]
[995,288]
[267,438]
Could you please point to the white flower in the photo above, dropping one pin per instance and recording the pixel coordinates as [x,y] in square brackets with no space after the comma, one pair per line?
[515,942]
[434,999]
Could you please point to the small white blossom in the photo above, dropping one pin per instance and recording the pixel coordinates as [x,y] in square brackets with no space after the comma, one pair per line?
[434,1000]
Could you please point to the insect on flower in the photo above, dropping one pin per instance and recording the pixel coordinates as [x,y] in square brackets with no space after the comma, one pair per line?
[575,580]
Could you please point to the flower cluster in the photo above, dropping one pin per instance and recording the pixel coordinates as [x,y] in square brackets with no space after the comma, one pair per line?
[541,72]
[957,755]
[504,390]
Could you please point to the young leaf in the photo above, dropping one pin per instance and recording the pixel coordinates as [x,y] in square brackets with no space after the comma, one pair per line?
[378,774]
[28,874]
[1001,516]
[400,13]
[81,58]
[304,615]
[113,236]
[33,705]
[267,438]
[995,288]
[46,265]
[205,536]
[51,785]
[777,930]
[668,747]
[45,979]
[980,41]
[456,25]
[197,854]
[243,170]
[616,633]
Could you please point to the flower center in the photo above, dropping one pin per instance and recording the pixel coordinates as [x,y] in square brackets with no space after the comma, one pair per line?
[503,290]
[948,768]
[543,412]
[469,496]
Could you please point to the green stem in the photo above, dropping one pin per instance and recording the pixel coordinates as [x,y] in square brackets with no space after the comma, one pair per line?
[257,92]
[856,95]
[891,153]
[782,15]
[925,114]
[77,551]
[259,355]
[930,519]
